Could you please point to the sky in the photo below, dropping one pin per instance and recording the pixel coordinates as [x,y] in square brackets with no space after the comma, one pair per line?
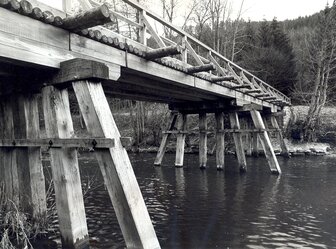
[257,10]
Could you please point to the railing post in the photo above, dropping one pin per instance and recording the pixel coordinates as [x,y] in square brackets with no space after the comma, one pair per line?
[143,31]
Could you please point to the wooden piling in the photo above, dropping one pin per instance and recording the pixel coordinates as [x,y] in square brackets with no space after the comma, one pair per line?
[65,170]
[29,163]
[220,145]
[283,146]
[8,165]
[116,168]
[237,137]
[266,142]
[180,140]
[202,140]
[165,137]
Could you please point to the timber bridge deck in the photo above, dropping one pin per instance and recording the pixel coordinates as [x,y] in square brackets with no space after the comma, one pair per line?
[44,51]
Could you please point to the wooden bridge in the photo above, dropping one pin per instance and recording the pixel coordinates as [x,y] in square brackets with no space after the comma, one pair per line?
[46,52]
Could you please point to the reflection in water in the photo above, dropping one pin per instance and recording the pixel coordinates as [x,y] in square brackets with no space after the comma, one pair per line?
[191,208]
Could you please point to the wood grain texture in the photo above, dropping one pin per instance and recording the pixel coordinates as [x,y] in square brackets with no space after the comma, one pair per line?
[180,139]
[65,170]
[203,138]
[116,168]
[266,143]
[8,164]
[220,145]
[238,140]
[29,163]
[165,137]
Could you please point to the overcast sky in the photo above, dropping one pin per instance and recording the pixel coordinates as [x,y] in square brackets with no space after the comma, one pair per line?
[257,10]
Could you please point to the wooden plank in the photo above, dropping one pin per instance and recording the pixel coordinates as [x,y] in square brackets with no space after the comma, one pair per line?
[29,163]
[283,145]
[220,145]
[237,137]
[65,170]
[180,139]
[116,168]
[202,140]
[8,164]
[165,137]
[266,143]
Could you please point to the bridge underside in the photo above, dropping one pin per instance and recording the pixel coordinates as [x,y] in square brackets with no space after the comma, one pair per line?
[38,59]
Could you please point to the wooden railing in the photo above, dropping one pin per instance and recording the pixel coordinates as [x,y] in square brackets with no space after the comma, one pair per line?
[209,64]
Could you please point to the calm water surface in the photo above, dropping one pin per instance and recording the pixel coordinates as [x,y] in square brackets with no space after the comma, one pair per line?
[191,208]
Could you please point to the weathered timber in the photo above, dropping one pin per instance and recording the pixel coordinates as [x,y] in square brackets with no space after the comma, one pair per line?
[269,98]
[61,142]
[253,91]
[237,137]
[180,139]
[255,141]
[220,145]
[10,4]
[202,140]
[162,52]
[283,146]
[29,163]
[249,107]
[58,21]
[165,137]
[37,13]
[201,68]
[26,7]
[65,170]
[221,78]
[79,69]
[48,17]
[116,168]
[8,165]
[94,17]
[262,95]
[241,86]
[266,143]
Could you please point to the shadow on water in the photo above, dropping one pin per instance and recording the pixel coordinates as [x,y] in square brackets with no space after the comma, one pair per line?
[191,208]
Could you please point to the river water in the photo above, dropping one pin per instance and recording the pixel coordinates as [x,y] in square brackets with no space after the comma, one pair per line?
[191,208]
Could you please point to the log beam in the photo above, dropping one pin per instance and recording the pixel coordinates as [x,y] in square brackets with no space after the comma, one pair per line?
[201,68]
[162,52]
[65,170]
[202,140]
[215,79]
[266,143]
[94,17]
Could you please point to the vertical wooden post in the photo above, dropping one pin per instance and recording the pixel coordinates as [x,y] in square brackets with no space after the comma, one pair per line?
[65,170]
[249,139]
[237,137]
[29,163]
[9,172]
[180,140]
[266,142]
[283,146]
[203,140]
[220,145]
[143,31]
[165,137]
[116,168]
[255,141]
